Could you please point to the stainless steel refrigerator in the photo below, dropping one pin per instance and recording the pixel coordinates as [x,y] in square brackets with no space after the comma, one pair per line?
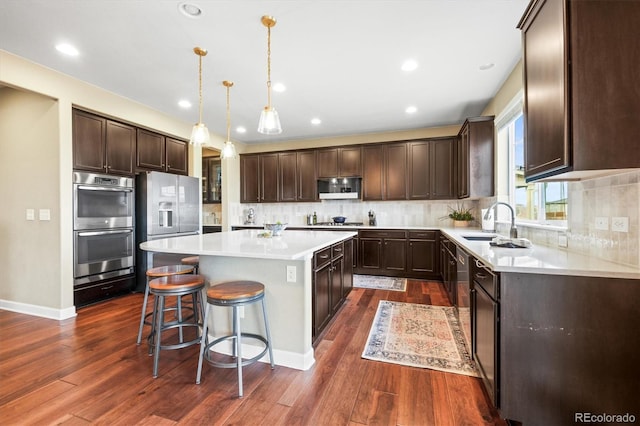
[167,206]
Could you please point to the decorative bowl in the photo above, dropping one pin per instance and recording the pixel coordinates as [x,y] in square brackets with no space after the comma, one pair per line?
[339,219]
[275,228]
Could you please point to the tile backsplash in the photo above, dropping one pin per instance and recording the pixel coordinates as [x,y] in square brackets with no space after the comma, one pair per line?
[616,196]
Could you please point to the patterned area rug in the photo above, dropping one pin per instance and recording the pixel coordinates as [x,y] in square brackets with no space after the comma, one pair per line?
[424,336]
[380,283]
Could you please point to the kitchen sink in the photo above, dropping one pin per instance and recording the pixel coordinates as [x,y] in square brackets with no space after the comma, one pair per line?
[478,237]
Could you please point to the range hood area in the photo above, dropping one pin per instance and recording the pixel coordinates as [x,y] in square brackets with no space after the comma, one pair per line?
[339,188]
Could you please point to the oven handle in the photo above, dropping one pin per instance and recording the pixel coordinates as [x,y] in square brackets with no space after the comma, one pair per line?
[93,234]
[104,188]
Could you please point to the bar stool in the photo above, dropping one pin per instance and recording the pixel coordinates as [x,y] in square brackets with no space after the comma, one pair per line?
[191,261]
[157,272]
[178,286]
[234,294]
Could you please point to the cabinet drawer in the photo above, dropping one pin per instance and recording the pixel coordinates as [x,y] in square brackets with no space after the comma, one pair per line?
[423,235]
[382,234]
[337,250]
[322,257]
[485,278]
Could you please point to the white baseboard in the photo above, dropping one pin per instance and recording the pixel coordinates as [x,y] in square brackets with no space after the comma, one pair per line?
[289,359]
[38,311]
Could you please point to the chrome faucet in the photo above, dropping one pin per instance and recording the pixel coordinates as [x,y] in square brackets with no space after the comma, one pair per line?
[513,232]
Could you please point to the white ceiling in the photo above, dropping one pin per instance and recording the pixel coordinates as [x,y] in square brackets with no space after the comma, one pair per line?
[339,59]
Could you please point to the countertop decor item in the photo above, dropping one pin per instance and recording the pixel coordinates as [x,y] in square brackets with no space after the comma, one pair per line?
[275,228]
[461,216]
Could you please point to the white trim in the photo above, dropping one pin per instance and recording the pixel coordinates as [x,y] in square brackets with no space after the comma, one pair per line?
[283,358]
[38,311]
[513,108]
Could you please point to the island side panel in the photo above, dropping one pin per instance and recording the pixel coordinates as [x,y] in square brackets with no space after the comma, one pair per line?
[288,305]
[568,345]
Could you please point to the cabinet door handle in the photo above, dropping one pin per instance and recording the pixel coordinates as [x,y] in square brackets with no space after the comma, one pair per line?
[481,276]
[324,256]
[338,250]
[106,287]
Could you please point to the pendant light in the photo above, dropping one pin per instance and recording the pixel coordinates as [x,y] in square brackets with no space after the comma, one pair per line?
[269,121]
[200,133]
[228,150]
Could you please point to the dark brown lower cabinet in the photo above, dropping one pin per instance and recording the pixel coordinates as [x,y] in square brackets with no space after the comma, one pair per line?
[398,253]
[332,282]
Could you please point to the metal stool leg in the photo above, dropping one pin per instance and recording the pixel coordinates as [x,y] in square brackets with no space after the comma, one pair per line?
[238,348]
[203,343]
[159,325]
[266,326]
[144,312]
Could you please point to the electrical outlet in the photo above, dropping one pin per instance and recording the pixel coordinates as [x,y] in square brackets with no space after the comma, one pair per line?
[602,223]
[291,274]
[31,214]
[562,240]
[620,224]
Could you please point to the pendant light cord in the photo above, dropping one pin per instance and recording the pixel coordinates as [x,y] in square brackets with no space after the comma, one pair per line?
[200,86]
[228,116]
[269,67]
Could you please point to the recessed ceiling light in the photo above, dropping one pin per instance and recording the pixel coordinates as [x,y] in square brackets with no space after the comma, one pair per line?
[411,110]
[241,129]
[67,49]
[409,65]
[184,104]
[316,121]
[279,87]
[190,10]
[487,66]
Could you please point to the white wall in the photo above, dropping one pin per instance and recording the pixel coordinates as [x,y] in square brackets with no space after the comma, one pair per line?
[36,140]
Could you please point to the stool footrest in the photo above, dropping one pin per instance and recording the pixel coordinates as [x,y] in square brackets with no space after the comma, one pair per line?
[245,362]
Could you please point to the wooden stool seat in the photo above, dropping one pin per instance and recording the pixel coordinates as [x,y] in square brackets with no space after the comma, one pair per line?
[176,283]
[164,271]
[191,260]
[235,291]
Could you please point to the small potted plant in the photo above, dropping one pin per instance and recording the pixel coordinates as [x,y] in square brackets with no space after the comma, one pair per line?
[461,216]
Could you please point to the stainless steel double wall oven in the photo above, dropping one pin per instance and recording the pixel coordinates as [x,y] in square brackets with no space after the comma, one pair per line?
[104,237]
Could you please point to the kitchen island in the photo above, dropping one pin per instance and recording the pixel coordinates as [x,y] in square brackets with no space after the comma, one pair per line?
[284,264]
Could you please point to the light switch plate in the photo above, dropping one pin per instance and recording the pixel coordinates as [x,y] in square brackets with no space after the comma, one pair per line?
[620,224]
[562,240]
[31,214]
[291,274]
[44,214]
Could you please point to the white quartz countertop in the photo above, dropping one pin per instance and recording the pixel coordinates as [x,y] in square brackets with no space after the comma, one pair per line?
[538,259]
[291,245]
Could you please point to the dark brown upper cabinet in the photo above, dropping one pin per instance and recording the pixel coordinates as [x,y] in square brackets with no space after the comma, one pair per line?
[269,178]
[475,158]
[395,171]
[250,178]
[307,185]
[372,173]
[384,172]
[156,152]
[581,103]
[102,145]
[340,162]
[430,169]
[287,170]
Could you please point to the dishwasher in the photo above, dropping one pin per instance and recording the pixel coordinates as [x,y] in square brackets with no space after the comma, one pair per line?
[464,287]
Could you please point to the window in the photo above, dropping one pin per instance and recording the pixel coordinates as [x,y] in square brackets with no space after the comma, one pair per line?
[543,203]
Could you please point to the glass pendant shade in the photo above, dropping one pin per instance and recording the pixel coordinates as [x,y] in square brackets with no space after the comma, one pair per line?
[269,122]
[228,150]
[199,134]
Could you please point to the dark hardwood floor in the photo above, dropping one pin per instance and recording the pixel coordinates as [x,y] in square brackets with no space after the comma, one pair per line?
[89,370]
